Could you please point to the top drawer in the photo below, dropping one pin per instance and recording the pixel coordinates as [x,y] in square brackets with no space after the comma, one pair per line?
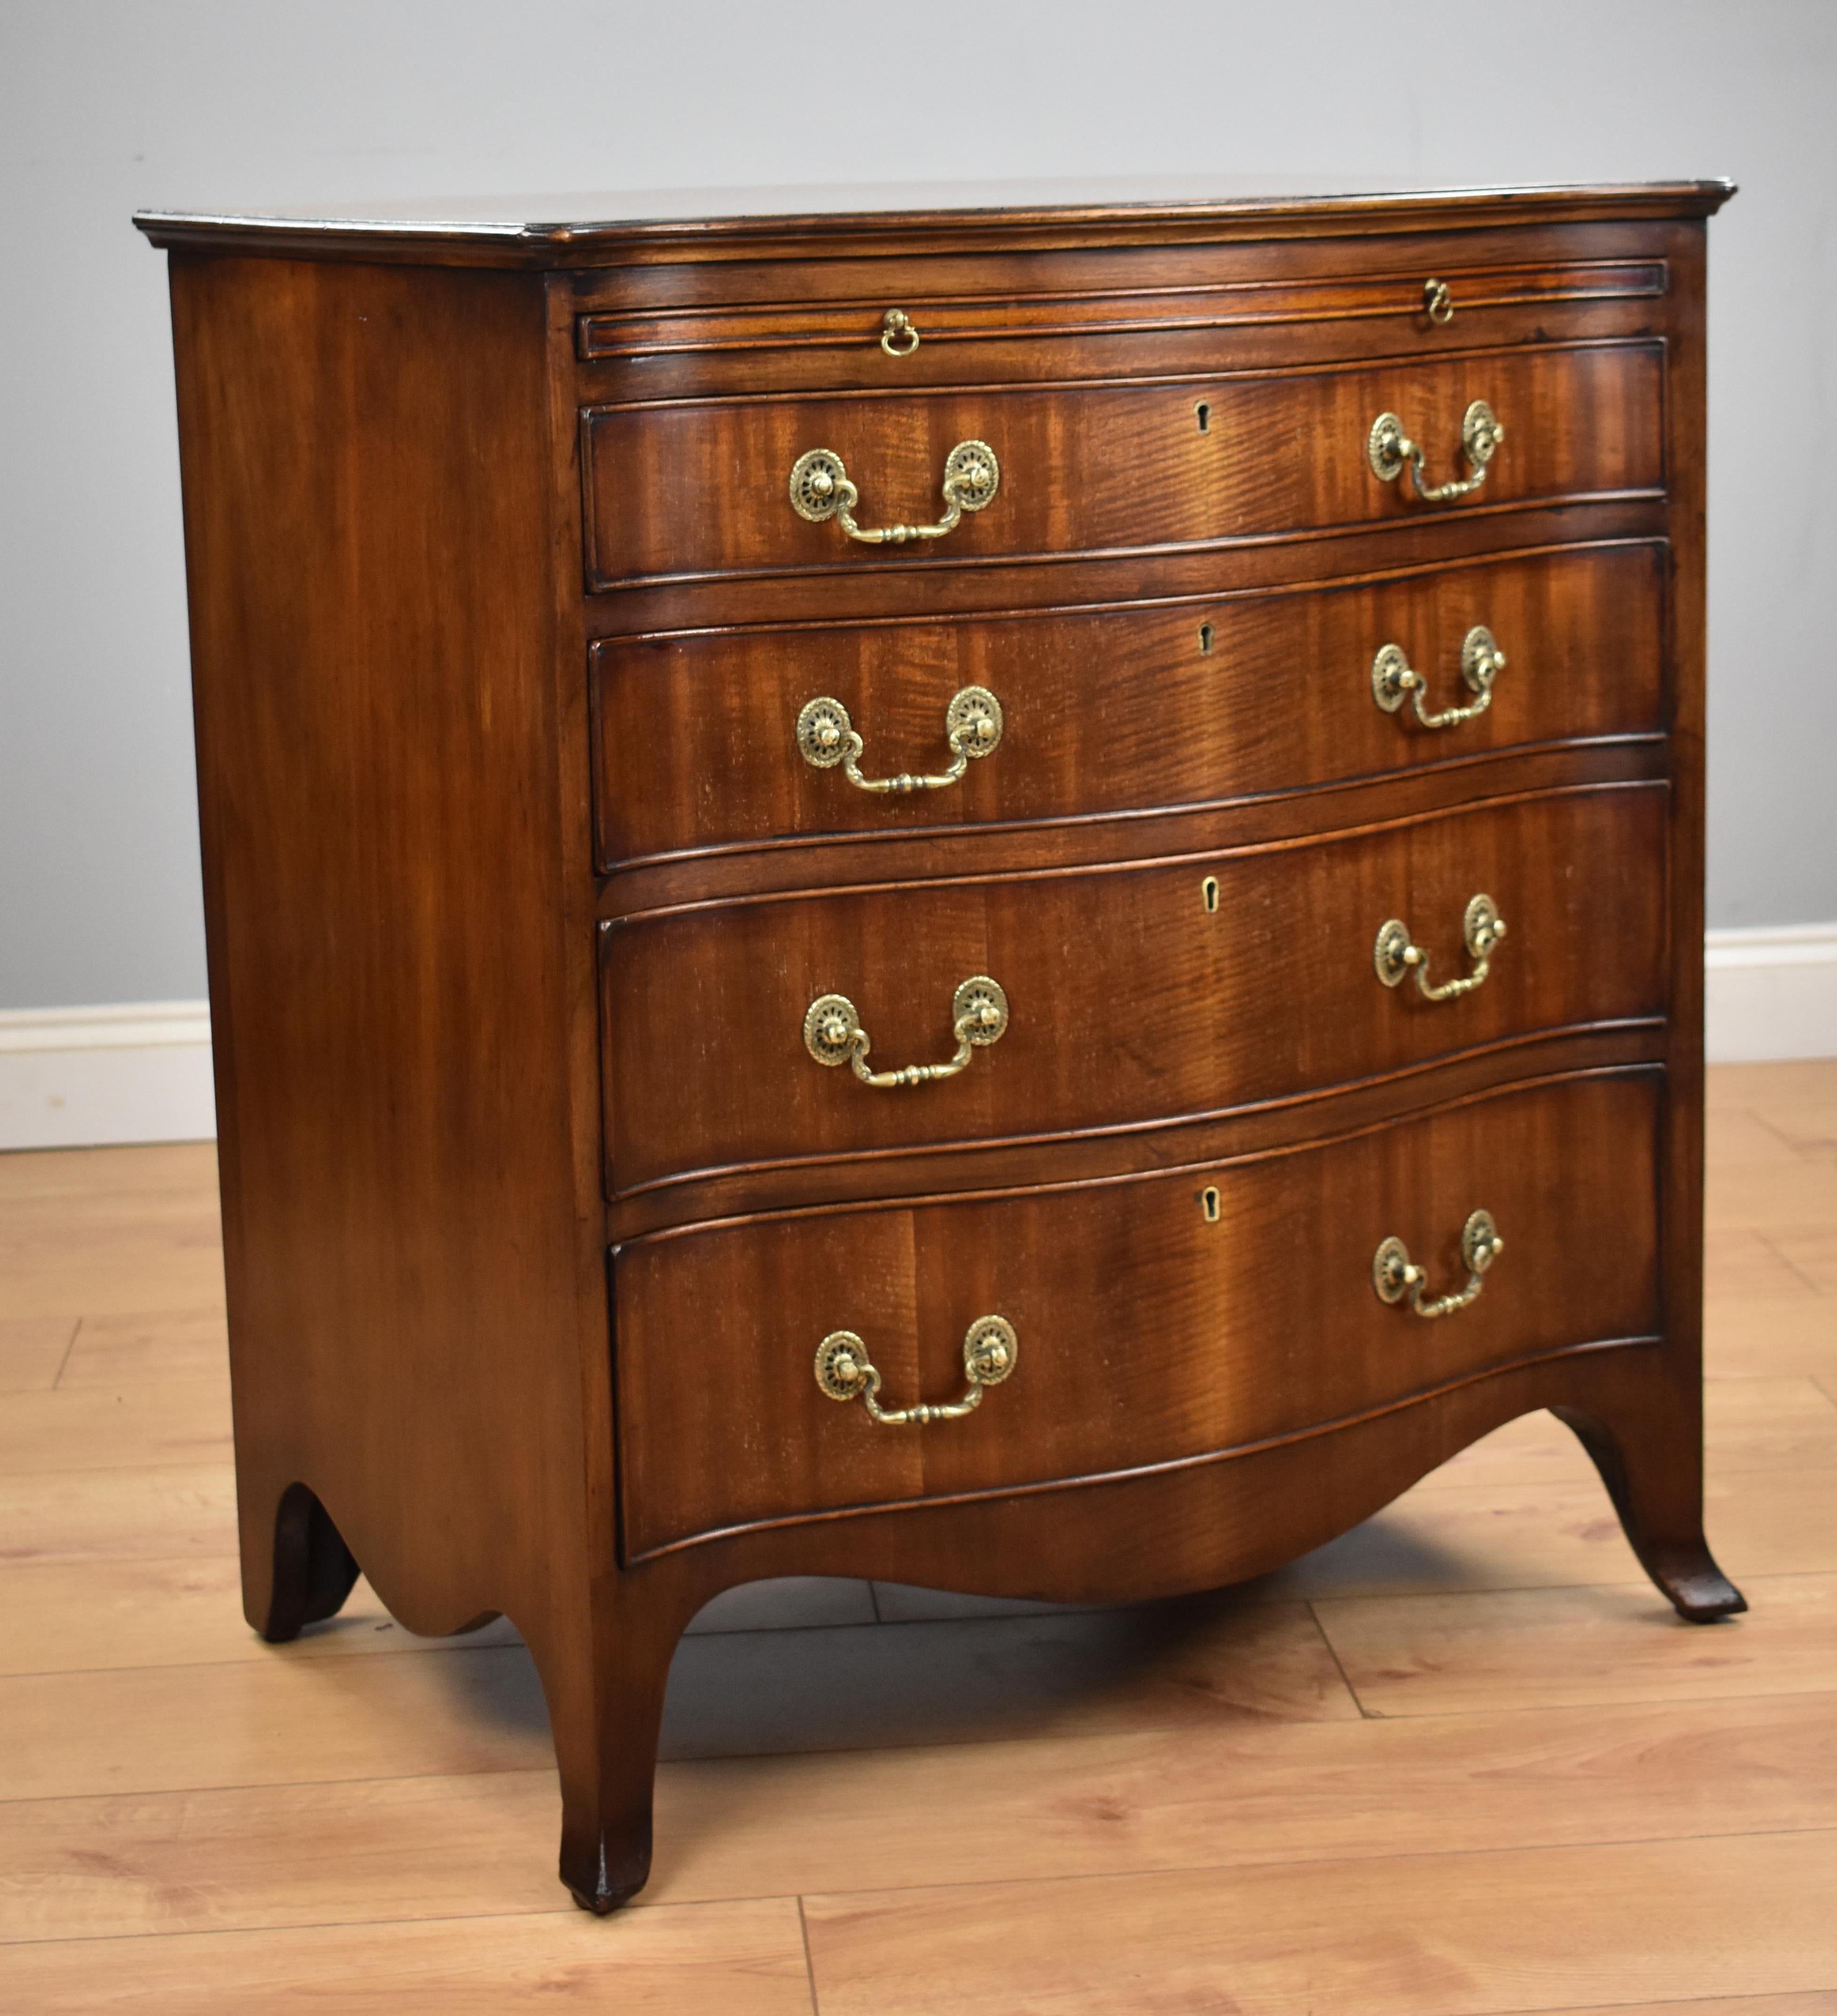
[683,490]
[853,327]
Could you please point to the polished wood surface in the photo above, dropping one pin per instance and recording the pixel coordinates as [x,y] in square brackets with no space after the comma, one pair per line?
[1202,700]
[684,489]
[203,1822]
[492,995]
[1143,1324]
[1130,1004]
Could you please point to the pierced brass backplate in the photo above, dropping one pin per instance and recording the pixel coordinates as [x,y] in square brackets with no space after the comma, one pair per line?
[1395,1274]
[816,484]
[844,1372]
[979,1008]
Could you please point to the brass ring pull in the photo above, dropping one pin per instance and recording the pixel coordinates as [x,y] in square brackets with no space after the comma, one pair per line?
[827,736]
[1438,302]
[898,336]
[1395,1274]
[1391,451]
[1393,681]
[821,490]
[845,1372]
[1394,955]
[833,1034]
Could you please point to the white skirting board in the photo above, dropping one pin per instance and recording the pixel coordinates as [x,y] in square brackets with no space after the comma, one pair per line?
[79,1077]
[75,1077]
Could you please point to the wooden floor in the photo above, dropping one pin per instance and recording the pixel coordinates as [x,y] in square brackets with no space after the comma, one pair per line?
[1462,1761]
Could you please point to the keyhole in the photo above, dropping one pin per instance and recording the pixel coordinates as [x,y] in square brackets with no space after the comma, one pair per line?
[1204,640]
[1209,1203]
[1203,413]
[1209,895]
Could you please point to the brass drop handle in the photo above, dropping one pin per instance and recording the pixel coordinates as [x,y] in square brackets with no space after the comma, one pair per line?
[1393,681]
[821,490]
[1395,956]
[827,736]
[1395,1274]
[845,1372]
[833,1034]
[1390,452]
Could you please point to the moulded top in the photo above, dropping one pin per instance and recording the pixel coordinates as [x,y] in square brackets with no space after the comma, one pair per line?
[670,225]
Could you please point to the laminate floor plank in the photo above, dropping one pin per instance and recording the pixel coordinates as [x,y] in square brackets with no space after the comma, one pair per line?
[1817,2004]
[1213,1661]
[133,1251]
[1454,1935]
[141,1346]
[116,1427]
[1231,1796]
[1411,1655]
[1808,1127]
[1811,1250]
[280,1720]
[745,1958]
[1748,1425]
[1770,1338]
[279,1717]
[32,1352]
[156,1514]
[1489,1536]
[1740,1264]
[1794,1082]
[90,1615]
[186,1169]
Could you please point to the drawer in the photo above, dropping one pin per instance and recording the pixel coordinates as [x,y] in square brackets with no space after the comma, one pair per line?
[1147,1331]
[1130,1001]
[1073,315]
[696,734]
[685,489]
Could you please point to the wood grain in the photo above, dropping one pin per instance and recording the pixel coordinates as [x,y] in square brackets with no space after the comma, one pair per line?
[184,1512]
[682,1962]
[1142,1343]
[1129,1003]
[1233,1796]
[1535,1649]
[111,1426]
[32,1352]
[1557,1536]
[73,1616]
[685,490]
[1202,700]
[134,1348]
[1454,1935]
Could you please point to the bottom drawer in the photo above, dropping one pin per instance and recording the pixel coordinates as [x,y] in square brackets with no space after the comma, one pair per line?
[1156,1319]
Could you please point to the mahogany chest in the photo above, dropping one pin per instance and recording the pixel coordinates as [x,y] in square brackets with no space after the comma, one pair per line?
[1005,898]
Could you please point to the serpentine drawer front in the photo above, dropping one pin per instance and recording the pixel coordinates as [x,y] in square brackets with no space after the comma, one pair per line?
[1134,993]
[1006,898]
[681,490]
[1197,701]
[1141,1319]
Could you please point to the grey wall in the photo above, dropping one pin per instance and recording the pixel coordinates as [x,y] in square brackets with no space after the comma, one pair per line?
[108,104]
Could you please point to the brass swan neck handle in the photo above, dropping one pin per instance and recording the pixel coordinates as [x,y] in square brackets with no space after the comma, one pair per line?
[833,1034]
[1393,681]
[1390,452]
[1395,1274]
[827,736]
[845,1372]
[821,490]
[1395,956]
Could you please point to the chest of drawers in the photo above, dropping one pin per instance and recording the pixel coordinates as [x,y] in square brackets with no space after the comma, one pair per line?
[1007,898]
